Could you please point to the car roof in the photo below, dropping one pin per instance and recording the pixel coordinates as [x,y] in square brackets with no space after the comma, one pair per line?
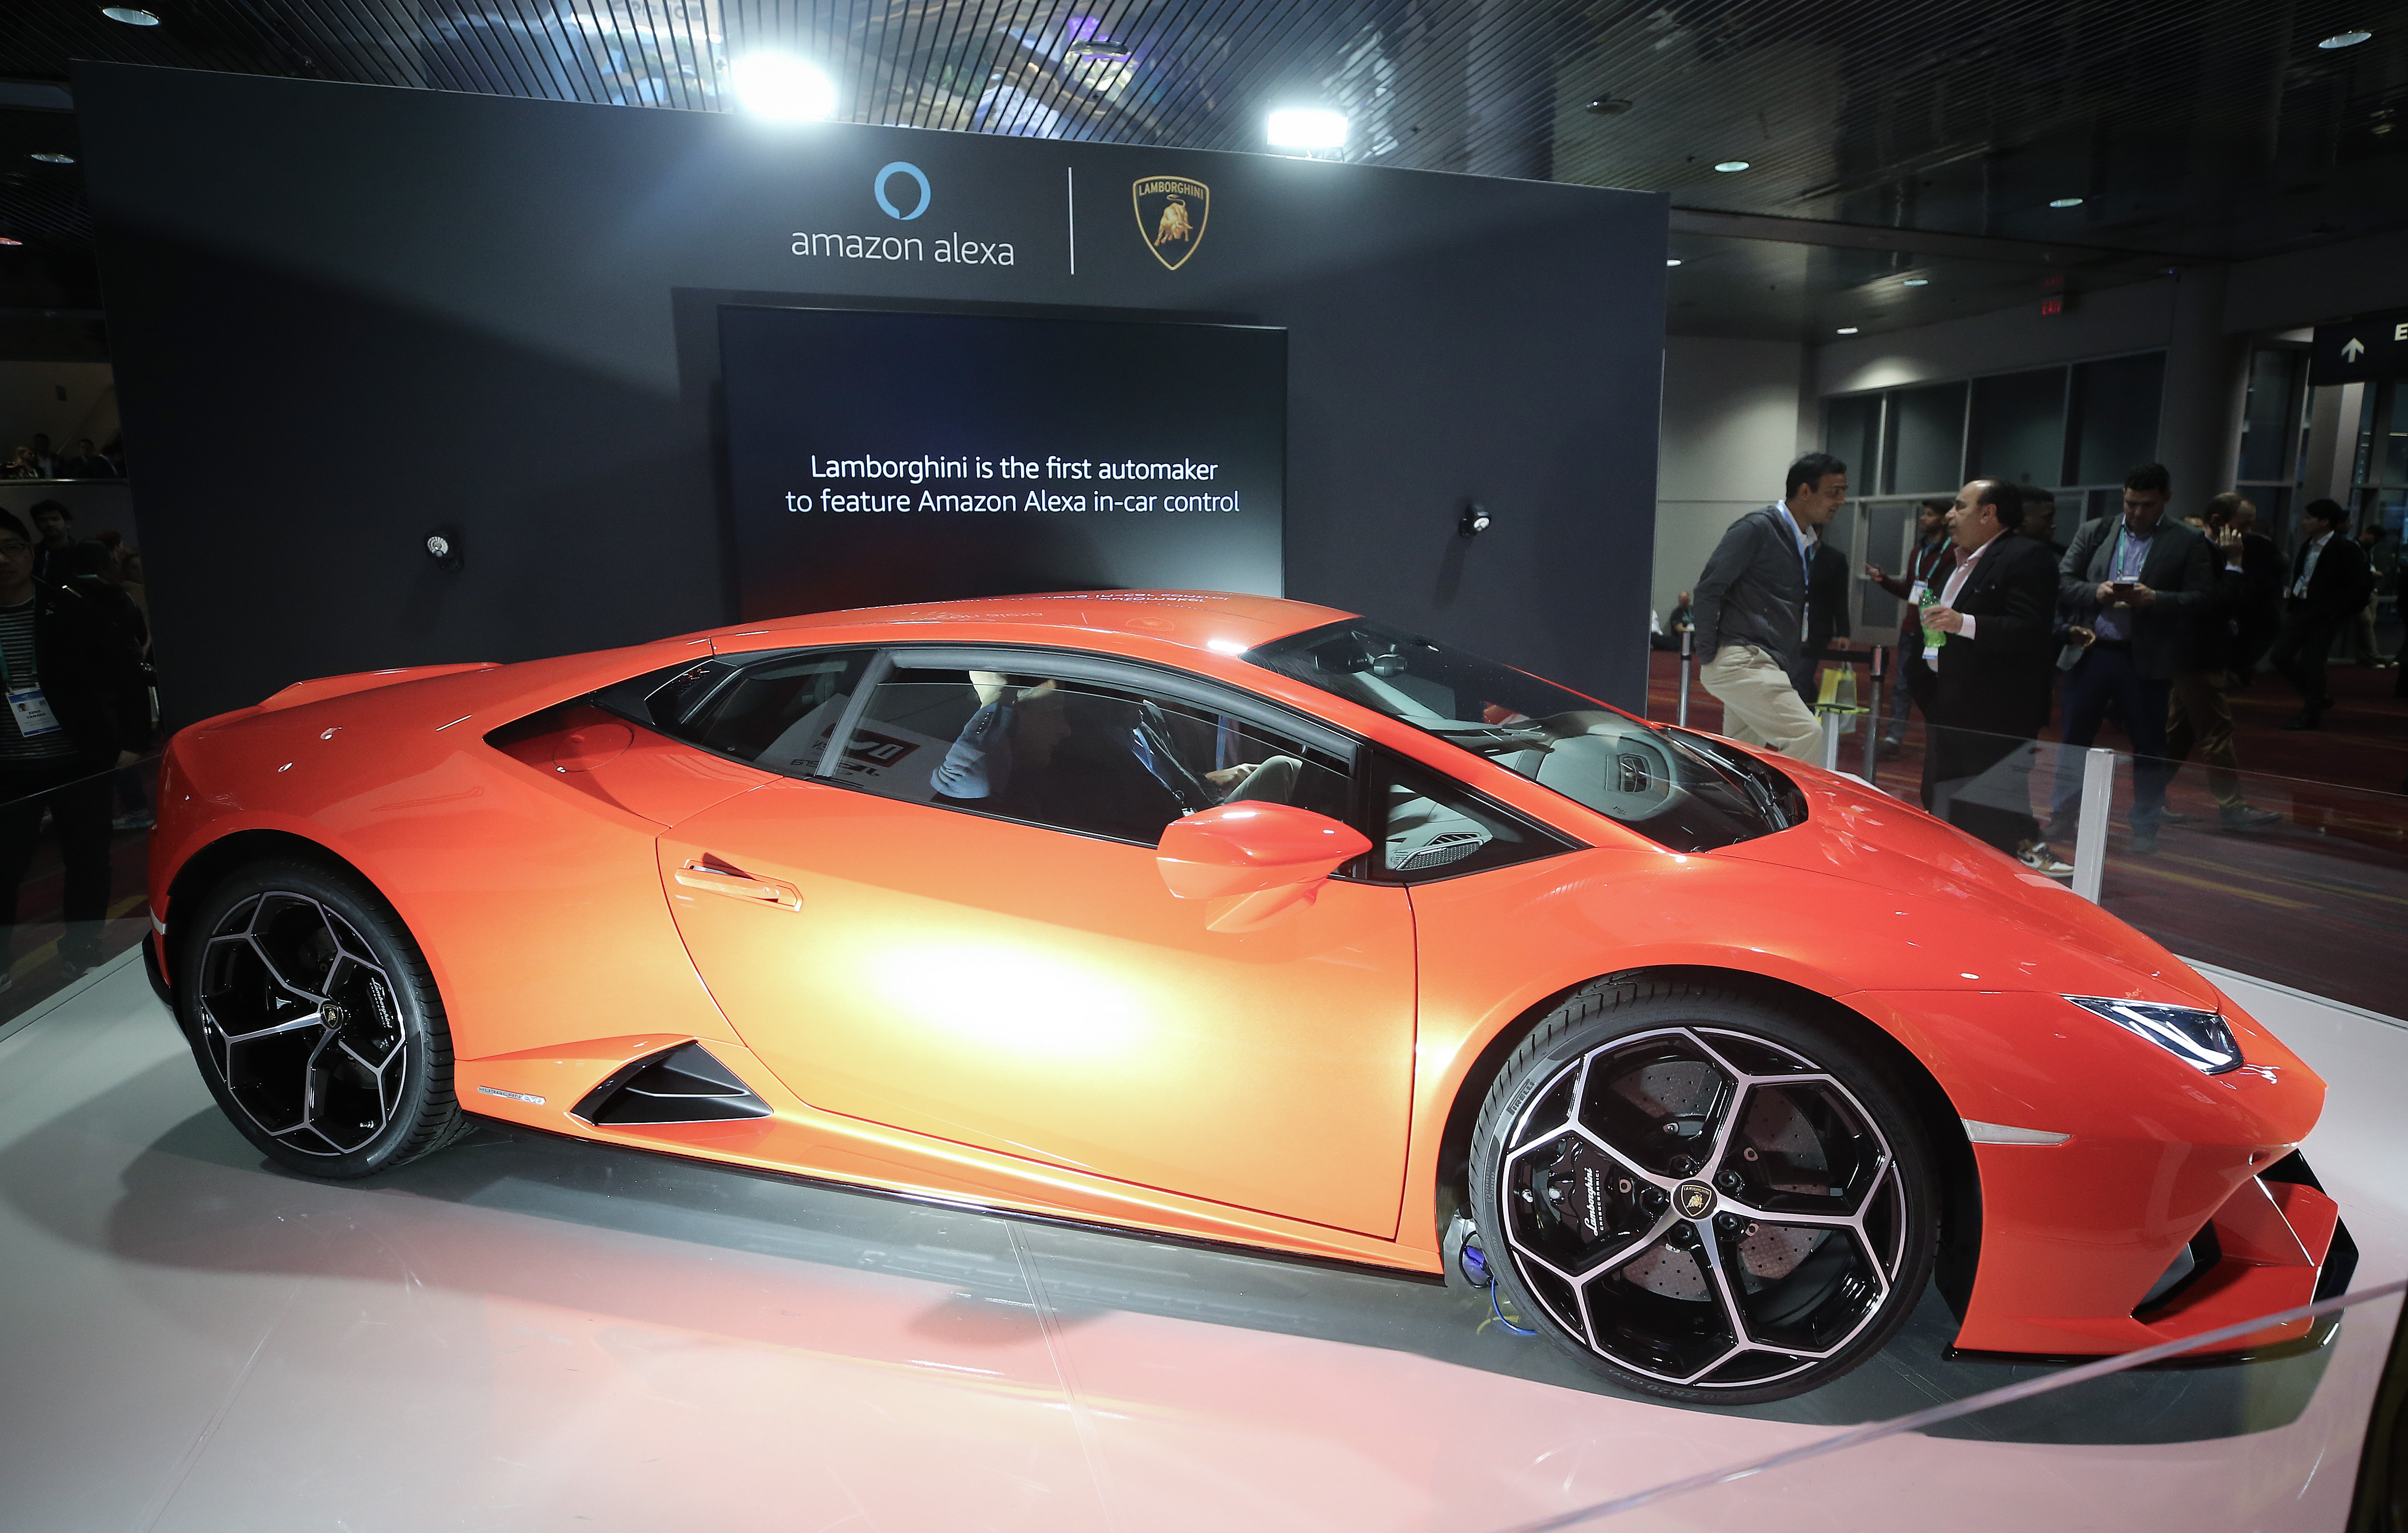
[1220,621]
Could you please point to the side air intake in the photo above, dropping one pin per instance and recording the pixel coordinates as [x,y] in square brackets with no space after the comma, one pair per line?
[681,1085]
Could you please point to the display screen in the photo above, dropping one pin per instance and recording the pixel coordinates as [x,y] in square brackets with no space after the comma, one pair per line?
[877,457]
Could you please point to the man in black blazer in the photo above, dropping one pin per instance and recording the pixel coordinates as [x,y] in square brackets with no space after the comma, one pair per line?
[2136,581]
[1826,617]
[2326,586]
[1989,674]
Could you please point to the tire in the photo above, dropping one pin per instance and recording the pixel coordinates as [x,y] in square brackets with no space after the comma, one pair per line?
[315,1021]
[1666,1155]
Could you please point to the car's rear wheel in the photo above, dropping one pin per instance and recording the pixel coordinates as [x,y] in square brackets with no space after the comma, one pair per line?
[315,1019]
[1705,1197]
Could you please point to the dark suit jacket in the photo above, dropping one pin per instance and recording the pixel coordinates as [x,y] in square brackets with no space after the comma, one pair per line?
[1996,682]
[2342,582]
[1826,600]
[2180,568]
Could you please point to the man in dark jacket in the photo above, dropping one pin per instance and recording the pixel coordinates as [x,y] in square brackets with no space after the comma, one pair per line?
[1752,610]
[2326,586]
[2136,582]
[1926,567]
[2199,711]
[1989,674]
[76,708]
[1826,617]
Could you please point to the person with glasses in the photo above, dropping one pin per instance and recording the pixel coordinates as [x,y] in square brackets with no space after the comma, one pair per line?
[76,708]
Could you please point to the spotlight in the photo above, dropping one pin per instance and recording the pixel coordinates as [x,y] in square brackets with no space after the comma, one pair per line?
[1305,127]
[1847,329]
[1671,260]
[1727,167]
[2065,202]
[1916,281]
[7,240]
[1475,521]
[783,87]
[1611,106]
[55,159]
[129,16]
[443,547]
[2346,39]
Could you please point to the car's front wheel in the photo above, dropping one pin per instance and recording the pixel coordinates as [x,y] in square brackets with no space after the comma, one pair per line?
[1705,1197]
[315,1019]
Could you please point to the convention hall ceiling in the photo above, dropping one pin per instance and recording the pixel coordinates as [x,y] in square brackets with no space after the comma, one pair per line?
[1902,160]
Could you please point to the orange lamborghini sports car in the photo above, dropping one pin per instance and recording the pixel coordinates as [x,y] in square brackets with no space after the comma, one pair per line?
[1238,920]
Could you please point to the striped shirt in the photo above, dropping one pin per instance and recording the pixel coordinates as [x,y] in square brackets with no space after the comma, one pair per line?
[17,647]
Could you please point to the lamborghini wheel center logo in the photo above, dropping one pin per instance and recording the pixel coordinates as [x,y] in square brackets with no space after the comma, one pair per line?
[1695,1199]
[1170,214]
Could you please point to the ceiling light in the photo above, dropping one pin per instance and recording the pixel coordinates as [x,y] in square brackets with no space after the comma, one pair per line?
[1847,329]
[1611,106]
[1916,281]
[781,86]
[55,159]
[6,240]
[2065,202]
[1727,167]
[2346,39]
[1305,127]
[1099,53]
[129,16]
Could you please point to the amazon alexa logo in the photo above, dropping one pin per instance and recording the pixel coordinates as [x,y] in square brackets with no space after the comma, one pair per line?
[884,179]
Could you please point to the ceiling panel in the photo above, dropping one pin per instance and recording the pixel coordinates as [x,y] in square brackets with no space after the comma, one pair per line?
[2188,130]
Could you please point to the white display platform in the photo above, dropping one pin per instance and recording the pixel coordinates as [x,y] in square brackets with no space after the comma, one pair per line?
[526,1333]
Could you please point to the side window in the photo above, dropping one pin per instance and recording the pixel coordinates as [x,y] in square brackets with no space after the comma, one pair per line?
[1437,829]
[1073,755]
[775,711]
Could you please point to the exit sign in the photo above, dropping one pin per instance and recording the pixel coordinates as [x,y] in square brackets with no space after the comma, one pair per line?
[2055,299]
[2370,346]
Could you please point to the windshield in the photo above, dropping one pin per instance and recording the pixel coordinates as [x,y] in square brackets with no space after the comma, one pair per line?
[1669,785]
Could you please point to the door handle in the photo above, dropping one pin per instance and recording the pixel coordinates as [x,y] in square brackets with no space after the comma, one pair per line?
[744,886]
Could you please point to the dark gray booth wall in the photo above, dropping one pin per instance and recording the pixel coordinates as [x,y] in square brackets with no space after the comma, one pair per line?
[345,315]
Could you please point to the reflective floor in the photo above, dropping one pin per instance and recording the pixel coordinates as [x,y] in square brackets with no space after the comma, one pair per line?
[523,1332]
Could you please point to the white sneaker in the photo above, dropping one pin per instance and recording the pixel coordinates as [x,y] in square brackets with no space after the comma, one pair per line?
[2039,859]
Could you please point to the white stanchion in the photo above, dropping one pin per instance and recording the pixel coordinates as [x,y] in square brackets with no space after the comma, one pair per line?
[2090,830]
[1835,724]
[1686,639]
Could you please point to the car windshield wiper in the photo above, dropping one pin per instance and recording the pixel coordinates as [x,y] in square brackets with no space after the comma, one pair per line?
[1760,793]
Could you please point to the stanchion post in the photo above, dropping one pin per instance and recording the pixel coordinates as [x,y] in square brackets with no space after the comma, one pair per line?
[1873,717]
[2090,830]
[1832,720]
[1688,635]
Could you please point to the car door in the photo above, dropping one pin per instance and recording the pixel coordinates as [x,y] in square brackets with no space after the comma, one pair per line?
[952,924]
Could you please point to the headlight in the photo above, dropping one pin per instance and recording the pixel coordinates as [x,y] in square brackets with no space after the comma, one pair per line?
[2199,1038]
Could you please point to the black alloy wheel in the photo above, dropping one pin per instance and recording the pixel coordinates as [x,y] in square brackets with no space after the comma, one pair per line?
[315,1019]
[1705,1199]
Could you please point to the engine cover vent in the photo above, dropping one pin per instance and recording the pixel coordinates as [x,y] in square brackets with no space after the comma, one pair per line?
[681,1085]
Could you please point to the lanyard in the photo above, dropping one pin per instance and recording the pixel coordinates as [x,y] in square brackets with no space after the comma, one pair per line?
[1805,559]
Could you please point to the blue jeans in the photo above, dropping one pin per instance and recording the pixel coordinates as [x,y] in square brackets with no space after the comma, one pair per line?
[2103,674]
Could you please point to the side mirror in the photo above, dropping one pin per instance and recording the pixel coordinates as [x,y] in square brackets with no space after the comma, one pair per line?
[1254,861]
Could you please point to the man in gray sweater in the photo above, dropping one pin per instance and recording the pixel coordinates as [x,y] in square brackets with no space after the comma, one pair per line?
[1751,610]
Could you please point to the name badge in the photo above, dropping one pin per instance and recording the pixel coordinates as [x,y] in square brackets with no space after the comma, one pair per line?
[1915,596]
[33,712]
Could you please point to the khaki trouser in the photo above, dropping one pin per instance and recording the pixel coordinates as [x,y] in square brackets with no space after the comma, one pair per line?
[2199,717]
[1760,703]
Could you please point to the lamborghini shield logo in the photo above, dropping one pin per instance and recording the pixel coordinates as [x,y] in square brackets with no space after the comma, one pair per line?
[1170,213]
[1693,1199]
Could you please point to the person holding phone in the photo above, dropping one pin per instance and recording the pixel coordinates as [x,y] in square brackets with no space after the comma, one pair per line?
[2135,582]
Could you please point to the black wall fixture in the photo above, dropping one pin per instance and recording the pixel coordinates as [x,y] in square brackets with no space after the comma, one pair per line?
[450,308]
